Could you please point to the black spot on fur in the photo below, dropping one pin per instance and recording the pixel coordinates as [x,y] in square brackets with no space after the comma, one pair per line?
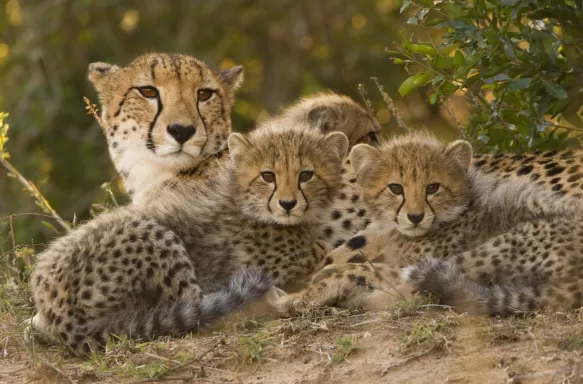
[524,170]
[357,242]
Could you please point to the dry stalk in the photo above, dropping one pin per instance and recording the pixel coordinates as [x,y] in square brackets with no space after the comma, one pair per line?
[29,185]
[391,105]
[92,110]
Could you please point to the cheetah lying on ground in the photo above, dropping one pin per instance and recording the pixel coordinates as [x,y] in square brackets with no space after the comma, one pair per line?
[507,244]
[195,252]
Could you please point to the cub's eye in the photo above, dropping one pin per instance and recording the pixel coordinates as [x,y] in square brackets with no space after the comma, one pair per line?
[204,94]
[148,92]
[432,189]
[397,189]
[268,176]
[306,176]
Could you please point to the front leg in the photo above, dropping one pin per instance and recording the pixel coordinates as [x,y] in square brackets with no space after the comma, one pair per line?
[367,244]
[367,286]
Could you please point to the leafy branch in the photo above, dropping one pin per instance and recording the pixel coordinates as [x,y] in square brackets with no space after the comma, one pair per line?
[517,62]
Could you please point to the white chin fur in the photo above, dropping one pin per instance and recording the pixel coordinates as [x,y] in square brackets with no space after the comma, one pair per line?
[287,220]
[413,231]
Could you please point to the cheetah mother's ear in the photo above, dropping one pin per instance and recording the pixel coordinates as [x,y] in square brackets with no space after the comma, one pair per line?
[462,151]
[233,77]
[99,73]
[362,157]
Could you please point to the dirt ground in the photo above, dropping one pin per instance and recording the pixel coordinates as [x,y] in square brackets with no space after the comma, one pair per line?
[414,342]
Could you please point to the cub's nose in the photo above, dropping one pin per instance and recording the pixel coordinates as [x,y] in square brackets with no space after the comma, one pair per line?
[288,204]
[181,133]
[415,218]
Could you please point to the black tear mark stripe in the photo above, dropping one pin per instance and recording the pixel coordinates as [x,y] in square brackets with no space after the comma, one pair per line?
[304,195]
[399,209]
[122,102]
[202,148]
[270,196]
[149,141]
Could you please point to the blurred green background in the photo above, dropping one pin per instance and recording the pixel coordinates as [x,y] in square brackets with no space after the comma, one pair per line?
[289,48]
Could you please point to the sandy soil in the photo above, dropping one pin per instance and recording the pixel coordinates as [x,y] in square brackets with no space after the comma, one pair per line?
[414,343]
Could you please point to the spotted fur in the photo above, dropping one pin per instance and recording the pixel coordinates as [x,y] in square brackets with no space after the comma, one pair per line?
[181,260]
[508,243]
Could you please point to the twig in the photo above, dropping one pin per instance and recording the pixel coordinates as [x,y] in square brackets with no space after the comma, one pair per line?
[391,105]
[533,340]
[13,240]
[36,193]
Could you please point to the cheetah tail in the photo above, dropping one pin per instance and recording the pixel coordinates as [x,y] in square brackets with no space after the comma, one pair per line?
[172,317]
[446,280]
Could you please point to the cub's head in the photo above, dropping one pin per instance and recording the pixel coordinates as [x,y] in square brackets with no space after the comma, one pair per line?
[332,112]
[414,181]
[287,173]
[163,113]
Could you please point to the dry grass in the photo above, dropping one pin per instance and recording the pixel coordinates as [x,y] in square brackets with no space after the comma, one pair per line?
[411,336]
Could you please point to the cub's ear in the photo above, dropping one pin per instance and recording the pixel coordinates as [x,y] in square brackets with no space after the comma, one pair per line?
[233,77]
[324,117]
[99,73]
[337,142]
[238,145]
[362,157]
[462,151]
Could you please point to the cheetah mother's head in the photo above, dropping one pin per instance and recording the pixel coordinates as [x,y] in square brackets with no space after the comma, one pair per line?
[162,114]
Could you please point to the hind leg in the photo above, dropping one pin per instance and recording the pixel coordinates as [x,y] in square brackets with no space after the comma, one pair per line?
[86,280]
[368,286]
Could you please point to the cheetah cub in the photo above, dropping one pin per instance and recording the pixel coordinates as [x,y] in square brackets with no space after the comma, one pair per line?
[429,202]
[163,115]
[330,112]
[195,252]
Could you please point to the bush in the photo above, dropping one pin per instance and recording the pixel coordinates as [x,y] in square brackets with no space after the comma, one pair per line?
[518,62]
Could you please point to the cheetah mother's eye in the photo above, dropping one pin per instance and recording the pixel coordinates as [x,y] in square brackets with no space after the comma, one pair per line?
[204,94]
[148,92]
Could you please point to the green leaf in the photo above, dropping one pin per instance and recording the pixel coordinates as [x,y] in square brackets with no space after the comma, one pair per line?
[398,61]
[424,79]
[413,20]
[423,49]
[406,4]
[448,88]
[409,84]
[422,12]
[50,226]
[471,60]
[520,83]
[442,62]
[433,99]
[458,59]
[554,89]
